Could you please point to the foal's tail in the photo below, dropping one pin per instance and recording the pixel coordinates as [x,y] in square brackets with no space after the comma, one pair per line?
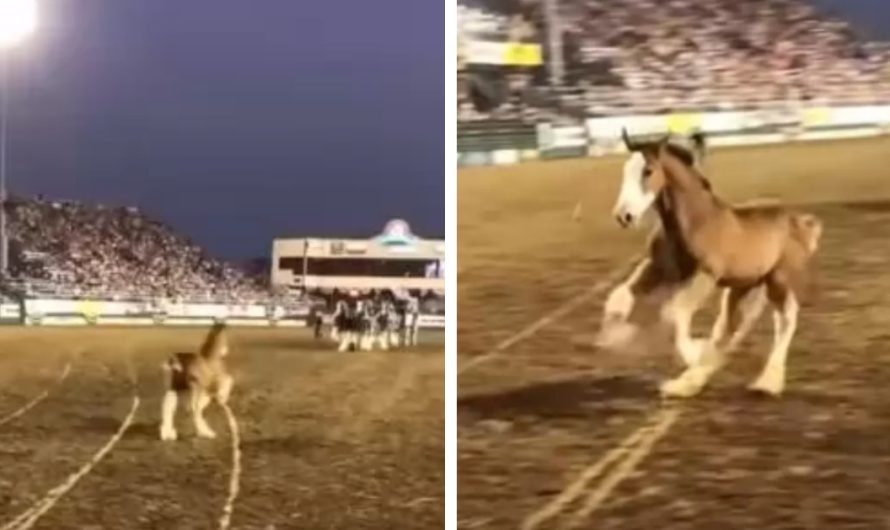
[807,229]
[699,146]
[172,364]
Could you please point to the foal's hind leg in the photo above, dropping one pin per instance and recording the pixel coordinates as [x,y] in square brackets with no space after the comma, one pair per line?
[785,309]
[168,412]
[224,389]
[199,401]
[739,309]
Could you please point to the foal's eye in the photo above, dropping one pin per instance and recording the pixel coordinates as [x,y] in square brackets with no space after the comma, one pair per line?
[647,172]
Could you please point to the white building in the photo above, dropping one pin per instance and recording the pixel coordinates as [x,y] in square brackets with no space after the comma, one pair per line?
[396,260]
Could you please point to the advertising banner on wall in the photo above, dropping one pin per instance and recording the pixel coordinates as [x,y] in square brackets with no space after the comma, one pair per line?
[501,53]
[562,141]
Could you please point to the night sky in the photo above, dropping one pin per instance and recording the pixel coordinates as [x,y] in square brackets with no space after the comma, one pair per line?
[236,121]
[872,17]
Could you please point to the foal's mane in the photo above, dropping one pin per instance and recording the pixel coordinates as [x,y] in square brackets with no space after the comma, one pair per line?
[681,154]
[674,257]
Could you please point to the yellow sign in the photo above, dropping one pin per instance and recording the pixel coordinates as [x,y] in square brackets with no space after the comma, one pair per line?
[516,54]
[683,123]
[89,308]
[816,116]
[501,53]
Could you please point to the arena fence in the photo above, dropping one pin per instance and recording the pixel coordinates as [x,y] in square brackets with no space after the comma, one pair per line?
[62,312]
[600,136]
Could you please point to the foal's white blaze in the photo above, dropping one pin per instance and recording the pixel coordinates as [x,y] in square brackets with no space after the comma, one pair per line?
[633,199]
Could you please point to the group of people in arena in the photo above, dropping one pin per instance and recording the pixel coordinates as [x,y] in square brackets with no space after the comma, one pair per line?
[381,320]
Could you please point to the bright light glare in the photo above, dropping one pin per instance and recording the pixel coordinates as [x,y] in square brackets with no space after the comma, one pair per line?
[18,19]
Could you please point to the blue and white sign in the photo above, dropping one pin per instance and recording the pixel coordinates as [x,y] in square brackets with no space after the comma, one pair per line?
[397,233]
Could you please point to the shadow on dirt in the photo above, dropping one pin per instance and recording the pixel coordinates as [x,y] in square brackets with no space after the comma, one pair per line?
[866,206]
[567,398]
[293,445]
[102,424]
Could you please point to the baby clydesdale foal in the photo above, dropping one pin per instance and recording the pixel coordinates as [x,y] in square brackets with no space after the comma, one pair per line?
[200,377]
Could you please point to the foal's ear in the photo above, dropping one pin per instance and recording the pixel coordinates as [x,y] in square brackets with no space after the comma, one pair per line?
[663,146]
[651,153]
[627,142]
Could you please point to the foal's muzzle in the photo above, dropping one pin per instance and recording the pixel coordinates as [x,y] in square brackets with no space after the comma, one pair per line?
[624,219]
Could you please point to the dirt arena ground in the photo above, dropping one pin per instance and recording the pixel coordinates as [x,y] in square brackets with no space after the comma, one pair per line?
[555,434]
[327,439]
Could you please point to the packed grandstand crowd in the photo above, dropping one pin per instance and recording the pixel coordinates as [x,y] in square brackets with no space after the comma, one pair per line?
[78,249]
[74,250]
[660,54]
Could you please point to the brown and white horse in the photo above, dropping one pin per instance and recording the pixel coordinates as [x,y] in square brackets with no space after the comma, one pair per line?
[753,253]
[667,264]
[201,377]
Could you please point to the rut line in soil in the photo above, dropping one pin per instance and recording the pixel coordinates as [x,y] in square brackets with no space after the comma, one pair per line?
[37,399]
[566,308]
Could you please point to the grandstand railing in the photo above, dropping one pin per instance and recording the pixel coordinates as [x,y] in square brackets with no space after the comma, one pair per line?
[768,122]
[613,101]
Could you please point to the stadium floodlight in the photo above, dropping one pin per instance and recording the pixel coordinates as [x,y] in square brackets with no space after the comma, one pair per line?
[18,20]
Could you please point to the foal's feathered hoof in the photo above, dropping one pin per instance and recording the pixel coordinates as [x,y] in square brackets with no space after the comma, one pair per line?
[206,433]
[767,387]
[616,335]
[168,434]
[693,351]
[679,387]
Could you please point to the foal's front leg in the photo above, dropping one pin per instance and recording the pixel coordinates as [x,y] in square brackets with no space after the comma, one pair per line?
[739,310]
[614,329]
[679,311]
[699,357]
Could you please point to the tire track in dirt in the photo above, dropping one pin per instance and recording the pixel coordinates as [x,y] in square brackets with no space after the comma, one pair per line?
[380,393]
[337,398]
[37,399]
[235,474]
[550,317]
[29,517]
[44,504]
[109,496]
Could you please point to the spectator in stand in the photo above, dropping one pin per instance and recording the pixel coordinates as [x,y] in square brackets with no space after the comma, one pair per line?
[73,250]
[84,250]
[654,55]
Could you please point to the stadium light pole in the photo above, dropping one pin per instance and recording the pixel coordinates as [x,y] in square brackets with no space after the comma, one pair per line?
[18,20]
[553,27]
